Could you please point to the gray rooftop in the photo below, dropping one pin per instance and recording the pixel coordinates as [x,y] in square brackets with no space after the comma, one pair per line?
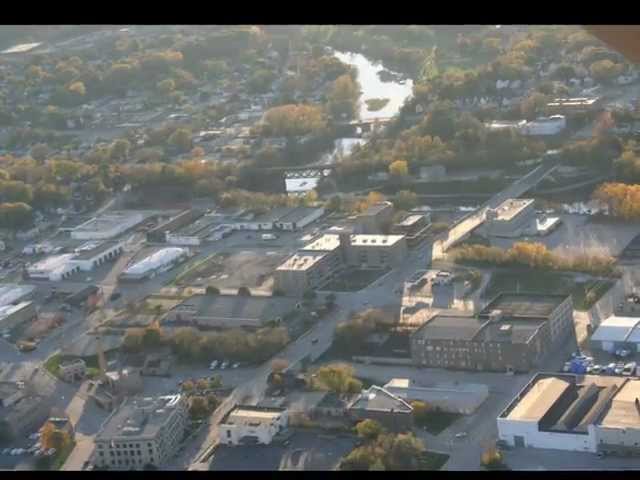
[95,251]
[240,307]
[297,214]
[451,327]
[524,305]
[517,331]
[139,417]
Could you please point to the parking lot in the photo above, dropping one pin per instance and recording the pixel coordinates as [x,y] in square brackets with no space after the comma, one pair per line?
[540,459]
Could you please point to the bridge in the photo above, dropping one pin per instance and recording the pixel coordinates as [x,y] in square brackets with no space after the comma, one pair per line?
[463,227]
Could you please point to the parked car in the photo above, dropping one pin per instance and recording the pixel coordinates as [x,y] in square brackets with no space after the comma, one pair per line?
[224,365]
[618,369]
[5,451]
[629,369]
[596,369]
[51,451]
[461,435]
[314,341]
[115,296]
[235,365]
[213,365]
[566,367]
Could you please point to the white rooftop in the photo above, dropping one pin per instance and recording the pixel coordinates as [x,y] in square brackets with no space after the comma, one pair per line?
[615,329]
[52,263]
[302,261]
[157,259]
[10,292]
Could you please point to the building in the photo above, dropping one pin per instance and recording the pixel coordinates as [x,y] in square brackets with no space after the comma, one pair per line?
[25,414]
[107,225]
[574,106]
[53,268]
[62,424]
[545,126]
[92,255]
[247,425]
[415,228]
[13,315]
[143,431]
[261,222]
[433,173]
[306,270]
[11,293]
[229,311]
[10,393]
[73,370]
[511,219]
[160,261]
[187,217]
[380,405]
[617,332]
[513,333]
[375,219]
[157,366]
[81,297]
[298,218]
[592,413]
[452,398]
[328,255]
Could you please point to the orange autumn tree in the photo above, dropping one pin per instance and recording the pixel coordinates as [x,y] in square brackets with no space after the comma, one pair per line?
[623,200]
[51,437]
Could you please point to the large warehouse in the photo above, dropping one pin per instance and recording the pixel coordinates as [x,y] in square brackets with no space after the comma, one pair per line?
[617,332]
[591,413]
[158,262]
[107,225]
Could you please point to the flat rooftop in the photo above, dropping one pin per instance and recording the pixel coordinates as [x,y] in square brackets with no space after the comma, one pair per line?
[108,221]
[451,327]
[376,208]
[326,243]
[512,207]
[139,417]
[411,220]
[623,412]
[362,240]
[524,305]
[248,415]
[238,307]
[378,399]
[196,227]
[302,261]
[578,101]
[53,262]
[12,292]
[518,331]
[94,249]
[298,214]
[21,48]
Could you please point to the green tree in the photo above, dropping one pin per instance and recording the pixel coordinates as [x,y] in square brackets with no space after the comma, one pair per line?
[15,215]
[343,97]
[605,71]
[39,152]
[338,378]
[244,292]
[181,139]
[405,200]
[166,86]
[261,81]
[120,149]
[421,411]
[212,290]
[369,429]
[399,169]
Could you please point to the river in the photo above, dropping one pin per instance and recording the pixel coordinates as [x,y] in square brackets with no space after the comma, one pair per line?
[372,86]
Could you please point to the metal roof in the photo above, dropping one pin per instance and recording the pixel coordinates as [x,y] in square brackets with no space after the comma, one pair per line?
[156,260]
[615,329]
[539,399]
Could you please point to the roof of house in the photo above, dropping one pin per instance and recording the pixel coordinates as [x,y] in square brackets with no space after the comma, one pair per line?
[302,261]
[379,399]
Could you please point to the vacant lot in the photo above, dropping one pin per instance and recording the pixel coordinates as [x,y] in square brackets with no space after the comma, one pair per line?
[354,280]
[247,269]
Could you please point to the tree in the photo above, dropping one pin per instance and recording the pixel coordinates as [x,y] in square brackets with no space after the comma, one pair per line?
[334,204]
[260,81]
[421,411]
[15,215]
[120,149]
[404,200]
[181,139]
[533,105]
[399,169]
[343,97]
[605,71]
[338,378]
[403,452]
[51,437]
[293,120]
[78,89]
[369,429]
[491,458]
[212,290]
[202,384]
[188,386]
[244,292]
[564,72]
[166,86]
[39,152]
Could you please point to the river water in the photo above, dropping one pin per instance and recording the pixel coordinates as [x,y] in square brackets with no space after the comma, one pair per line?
[372,86]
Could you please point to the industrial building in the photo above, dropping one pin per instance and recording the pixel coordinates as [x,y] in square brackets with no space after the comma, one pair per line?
[107,225]
[375,219]
[142,431]
[463,398]
[13,315]
[53,268]
[184,218]
[617,333]
[545,126]
[249,425]
[298,218]
[21,411]
[261,222]
[574,106]
[513,333]
[160,261]
[326,256]
[229,311]
[10,293]
[92,255]
[590,413]
[380,405]
[511,219]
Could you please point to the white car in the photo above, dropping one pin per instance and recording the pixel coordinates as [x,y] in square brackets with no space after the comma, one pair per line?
[213,365]
[461,435]
[224,365]
[235,365]
[51,451]
[5,451]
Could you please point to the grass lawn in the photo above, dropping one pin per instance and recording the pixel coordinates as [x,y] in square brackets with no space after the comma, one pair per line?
[437,422]
[432,460]
[53,364]
[354,280]
[584,294]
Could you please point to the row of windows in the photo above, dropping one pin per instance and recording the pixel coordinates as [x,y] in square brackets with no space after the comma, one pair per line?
[125,445]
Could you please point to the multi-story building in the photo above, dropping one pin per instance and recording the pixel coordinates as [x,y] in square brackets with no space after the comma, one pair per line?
[143,431]
[326,256]
[246,425]
[415,228]
[375,219]
[513,333]
[591,413]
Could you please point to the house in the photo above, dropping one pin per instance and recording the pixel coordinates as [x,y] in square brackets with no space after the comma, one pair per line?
[380,405]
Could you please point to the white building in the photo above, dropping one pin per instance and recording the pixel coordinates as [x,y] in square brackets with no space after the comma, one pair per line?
[589,413]
[253,425]
[158,262]
[545,126]
[617,332]
[92,255]
[107,225]
[511,219]
[53,268]
[142,431]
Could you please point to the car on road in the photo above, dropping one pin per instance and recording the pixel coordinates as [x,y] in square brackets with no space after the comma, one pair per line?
[235,365]
[51,451]
[115,296]
[224,365]
[596,369]
[629,369]
[213,365]
[619,368]
[314,341]
[5,451]
[461,435]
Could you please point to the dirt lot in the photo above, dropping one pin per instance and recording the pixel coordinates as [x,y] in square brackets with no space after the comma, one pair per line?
[235,270]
